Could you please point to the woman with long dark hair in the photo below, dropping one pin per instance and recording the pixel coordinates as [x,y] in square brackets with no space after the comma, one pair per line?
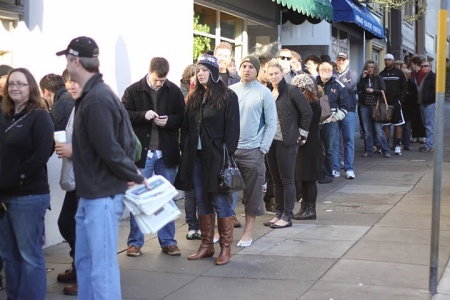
[24,190]
[211,120]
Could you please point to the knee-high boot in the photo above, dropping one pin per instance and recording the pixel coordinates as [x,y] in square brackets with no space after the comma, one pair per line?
[226,226]
[206,248]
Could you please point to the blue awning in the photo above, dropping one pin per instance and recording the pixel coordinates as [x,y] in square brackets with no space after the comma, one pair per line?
[355,12]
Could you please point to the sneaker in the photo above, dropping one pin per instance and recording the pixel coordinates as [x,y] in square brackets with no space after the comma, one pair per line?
[422,140]
[172,250]
[350,174]
[191,235]
[406,148]
[198,235]
[425,149]
[398,150]
[342,164]
[133,251]
[414,140]
[387,155]
[69,276]
[336,173]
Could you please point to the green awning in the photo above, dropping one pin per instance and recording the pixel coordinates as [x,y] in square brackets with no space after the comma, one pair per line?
[319,9]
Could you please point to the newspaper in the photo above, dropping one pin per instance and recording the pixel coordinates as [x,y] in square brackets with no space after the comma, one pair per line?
[152,208]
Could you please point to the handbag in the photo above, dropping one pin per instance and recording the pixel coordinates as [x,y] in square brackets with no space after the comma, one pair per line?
[326,108]
[230,178]
[67,179]
[382,112]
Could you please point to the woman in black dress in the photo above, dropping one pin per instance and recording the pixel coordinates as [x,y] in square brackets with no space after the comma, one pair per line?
[310,152]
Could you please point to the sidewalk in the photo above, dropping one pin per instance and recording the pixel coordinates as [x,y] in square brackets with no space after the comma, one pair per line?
[371,241]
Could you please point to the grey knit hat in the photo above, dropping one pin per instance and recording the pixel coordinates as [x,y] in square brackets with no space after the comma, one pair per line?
[303,81]
[211,62]
[253,60]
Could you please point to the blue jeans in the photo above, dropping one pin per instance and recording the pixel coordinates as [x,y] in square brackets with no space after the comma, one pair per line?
[328,133]
[347,128]
[97,232]
[428,112]
[216,202]
[369,125]
[166,235]
[406,134]
[22,231]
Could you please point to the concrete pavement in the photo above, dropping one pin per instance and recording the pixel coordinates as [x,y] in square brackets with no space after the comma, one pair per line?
[371,241]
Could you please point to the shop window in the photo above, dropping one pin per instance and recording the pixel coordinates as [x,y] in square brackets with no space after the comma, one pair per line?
[339,41]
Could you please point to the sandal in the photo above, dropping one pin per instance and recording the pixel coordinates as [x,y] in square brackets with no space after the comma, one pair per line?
[191,235]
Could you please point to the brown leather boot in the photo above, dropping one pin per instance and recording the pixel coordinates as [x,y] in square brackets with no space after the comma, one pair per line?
[71,290]
[226,226]
[206,248]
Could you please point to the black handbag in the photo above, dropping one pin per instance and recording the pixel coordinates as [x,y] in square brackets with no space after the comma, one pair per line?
[230,178]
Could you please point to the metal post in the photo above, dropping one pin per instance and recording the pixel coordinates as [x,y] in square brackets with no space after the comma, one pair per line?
[438,144]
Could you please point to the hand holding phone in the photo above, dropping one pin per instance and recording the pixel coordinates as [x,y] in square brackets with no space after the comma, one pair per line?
[162,117]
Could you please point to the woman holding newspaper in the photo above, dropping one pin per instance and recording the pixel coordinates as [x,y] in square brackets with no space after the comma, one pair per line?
[211,120]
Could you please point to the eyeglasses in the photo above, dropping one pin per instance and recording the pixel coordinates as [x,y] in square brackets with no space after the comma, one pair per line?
[285,57]
[19,85]
[325,70]
[423,66]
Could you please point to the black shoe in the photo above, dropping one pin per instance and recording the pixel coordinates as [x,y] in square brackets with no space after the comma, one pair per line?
[275,226]
[326,179]
[308,214]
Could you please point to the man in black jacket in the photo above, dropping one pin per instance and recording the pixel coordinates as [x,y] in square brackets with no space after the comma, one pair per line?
[426,98]
[395,82]
[156,108]
[103,158]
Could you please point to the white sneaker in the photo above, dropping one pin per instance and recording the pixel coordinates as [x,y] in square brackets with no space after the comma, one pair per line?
[336,173]
[398,150]
[342,164]
[350,174]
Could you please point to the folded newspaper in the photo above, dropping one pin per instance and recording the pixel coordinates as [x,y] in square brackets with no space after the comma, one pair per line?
[152,208]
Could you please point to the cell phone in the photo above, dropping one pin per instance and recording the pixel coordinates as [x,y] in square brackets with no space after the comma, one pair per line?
[162,117]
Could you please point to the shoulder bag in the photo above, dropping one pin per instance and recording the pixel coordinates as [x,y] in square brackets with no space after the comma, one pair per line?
[230,178]
[382,112]
[326,108]
[67,180]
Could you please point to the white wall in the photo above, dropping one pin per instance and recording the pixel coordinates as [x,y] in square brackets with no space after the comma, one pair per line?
[128,33]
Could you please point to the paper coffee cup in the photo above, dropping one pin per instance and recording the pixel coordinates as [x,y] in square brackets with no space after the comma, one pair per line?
[60,136]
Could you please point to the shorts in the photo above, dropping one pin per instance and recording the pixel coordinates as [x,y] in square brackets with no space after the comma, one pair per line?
[397,115]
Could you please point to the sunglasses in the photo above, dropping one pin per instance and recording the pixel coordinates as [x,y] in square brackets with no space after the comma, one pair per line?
[285,57]
[3,209]
[423,66]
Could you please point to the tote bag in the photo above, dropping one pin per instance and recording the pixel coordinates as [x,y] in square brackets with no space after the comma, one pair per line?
[67,180]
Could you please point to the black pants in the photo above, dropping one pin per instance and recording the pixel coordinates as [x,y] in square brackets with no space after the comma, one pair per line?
[309,189]
[66,220]
[1,268]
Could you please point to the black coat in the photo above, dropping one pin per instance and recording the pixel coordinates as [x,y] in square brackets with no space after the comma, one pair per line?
[410,106]
[293,111]
[137,101]
[217,126]
[309,157]
[376,83]
[429,88]
[62,108]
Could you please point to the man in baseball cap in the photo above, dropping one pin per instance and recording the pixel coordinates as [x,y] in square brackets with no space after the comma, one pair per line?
[82,46]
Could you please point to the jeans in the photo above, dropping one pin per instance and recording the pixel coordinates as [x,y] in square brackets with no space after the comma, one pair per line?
[66,220]
[166,235]
[281,162]
[97,230]
[328,133]
[428,112]
[347,128]
[22,231]
[216,201]
[191,209]
[368,136]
